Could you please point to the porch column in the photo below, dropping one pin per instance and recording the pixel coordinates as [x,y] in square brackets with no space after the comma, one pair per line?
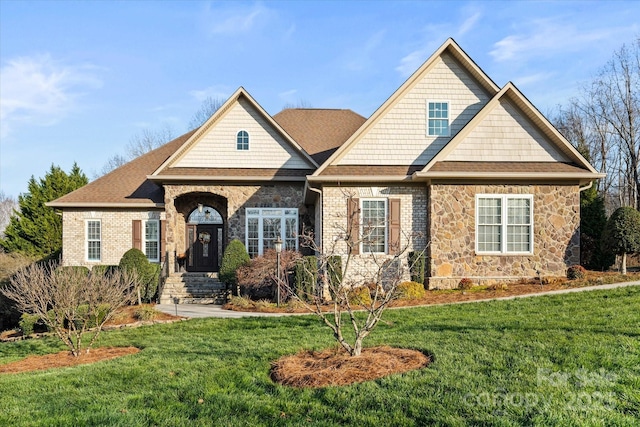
[170,237]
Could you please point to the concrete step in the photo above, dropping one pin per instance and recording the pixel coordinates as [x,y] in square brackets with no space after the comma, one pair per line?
[193,288]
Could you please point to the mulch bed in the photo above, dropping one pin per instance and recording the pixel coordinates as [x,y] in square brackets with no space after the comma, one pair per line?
[64,359]
[336,367]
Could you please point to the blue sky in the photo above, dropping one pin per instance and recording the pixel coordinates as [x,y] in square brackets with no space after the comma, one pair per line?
[79,79]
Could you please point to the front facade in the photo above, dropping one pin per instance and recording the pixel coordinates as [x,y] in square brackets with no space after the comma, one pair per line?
[451,164]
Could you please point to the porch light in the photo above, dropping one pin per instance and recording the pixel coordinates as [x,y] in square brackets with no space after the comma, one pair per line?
[278,247]
[200,207]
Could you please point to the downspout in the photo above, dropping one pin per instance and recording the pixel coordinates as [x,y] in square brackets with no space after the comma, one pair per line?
[318,226]
[586,187]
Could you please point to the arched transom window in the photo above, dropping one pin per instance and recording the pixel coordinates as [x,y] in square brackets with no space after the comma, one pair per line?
[205,215]
[242,140]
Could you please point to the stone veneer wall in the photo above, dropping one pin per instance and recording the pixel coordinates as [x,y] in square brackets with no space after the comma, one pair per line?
[116,233]
[556,243]
[238,197]
[413,207]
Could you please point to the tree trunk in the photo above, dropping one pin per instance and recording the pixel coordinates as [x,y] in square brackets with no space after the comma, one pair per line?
[623,264]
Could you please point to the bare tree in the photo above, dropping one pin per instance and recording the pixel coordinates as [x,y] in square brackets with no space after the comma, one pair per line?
[8,205]
[299,104]
[360,286]
[207,108]
[69,301]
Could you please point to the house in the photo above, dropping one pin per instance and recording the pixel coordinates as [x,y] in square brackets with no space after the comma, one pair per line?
[450,163]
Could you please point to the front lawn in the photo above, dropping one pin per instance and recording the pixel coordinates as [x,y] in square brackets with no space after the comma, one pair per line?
[553,360]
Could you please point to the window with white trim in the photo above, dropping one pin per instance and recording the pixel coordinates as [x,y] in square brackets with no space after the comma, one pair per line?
[373,226]
[94,237]
[504,223]
[264,225]
[151,242]
[438,118]
[242,140]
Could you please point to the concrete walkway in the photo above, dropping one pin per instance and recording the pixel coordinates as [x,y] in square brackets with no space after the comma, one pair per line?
[208,310]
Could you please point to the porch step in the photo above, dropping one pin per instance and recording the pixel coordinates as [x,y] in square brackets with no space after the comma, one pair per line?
[193,288]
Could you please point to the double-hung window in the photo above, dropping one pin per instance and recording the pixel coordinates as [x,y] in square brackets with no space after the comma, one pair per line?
[373,226]
[265,225]
[504,223]
[152,239]
[437,118]
[94,237]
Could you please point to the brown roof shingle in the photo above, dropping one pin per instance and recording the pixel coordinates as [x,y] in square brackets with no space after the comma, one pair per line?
[233,172]
[127,184]
[370,170]
[319,131]
[523,167]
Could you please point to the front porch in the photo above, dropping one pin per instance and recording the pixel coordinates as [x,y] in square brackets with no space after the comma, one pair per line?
[193,288]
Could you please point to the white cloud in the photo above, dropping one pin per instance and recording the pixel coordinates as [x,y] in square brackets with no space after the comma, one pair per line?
[360,58]
[547,37]
[41,91]
[532,78]
[215,92]
[469,23]
[234,18]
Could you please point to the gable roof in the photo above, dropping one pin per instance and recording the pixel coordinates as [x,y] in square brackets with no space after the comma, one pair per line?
[319,131]
[450,47]
[127,185]
[576,166]
[171,169]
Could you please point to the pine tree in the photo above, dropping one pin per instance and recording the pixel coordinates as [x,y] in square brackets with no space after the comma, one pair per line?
[37,229]
[593,219]
[621,235]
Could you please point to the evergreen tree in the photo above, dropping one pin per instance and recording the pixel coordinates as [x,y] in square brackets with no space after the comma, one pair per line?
[621,235]
[593,219]
[37,229]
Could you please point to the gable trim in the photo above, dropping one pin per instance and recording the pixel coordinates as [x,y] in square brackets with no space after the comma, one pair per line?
[511,93]
[218,115]
[449,46]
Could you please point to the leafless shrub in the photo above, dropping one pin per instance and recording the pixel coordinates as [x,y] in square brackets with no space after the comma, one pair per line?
[258,279]
[69,301]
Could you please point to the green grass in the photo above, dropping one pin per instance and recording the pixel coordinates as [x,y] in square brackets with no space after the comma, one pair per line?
[553,360]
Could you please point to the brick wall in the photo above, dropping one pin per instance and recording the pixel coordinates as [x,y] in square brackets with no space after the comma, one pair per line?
[116,233]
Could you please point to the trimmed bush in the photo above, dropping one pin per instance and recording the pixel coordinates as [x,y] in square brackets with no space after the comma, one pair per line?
[235,256]
[417,266]
[145,312]
[360,295]
[576,272]
[103,270]
[76,268]
[306,277]
[134,261]
[334,269]
[27,323]
[410,290]
[465,283]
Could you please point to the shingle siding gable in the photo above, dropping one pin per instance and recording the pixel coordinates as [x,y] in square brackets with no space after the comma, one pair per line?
[217,148]
[506,135]
[400,136]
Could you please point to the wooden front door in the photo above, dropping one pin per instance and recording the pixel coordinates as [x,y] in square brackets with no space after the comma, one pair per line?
[205,241]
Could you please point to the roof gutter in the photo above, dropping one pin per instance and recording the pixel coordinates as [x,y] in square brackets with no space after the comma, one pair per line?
[224,178]
[103,205]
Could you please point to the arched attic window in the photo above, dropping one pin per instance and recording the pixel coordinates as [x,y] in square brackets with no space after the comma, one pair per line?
[242,140]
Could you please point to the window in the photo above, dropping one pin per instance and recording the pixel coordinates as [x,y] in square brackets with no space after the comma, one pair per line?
[438,118]
[93,240]
[373,228]
[264,225]
[242,140]
[504,224]
[152,240]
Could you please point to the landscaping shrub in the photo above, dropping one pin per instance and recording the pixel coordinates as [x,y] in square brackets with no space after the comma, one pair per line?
[465,283]
[334,269]
[257,279]
[360,295]
[103,270]
[27,323]
[145,312]
[134,261]
[241,302]
[417,266]
[78,268]
[306,277]
[576,272]
[410,290]
[235,256]
[91,318]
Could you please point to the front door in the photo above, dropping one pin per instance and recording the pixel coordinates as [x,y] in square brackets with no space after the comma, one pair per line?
[204,242]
